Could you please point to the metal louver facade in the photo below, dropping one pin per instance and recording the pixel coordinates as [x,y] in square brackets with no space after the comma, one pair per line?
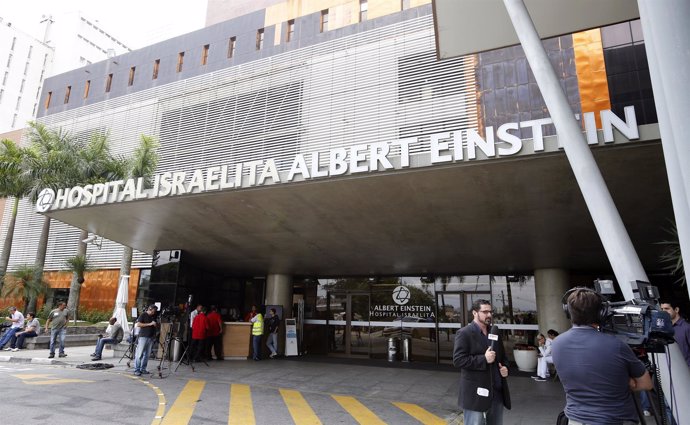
[376,85]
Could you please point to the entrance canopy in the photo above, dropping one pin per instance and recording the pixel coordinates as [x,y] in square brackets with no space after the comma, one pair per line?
[464,27]
[502,215]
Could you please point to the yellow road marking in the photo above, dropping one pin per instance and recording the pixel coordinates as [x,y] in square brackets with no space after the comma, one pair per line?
[299,409]
[422,415]
[358,411]
[182,409]
[161,399]
[30,379]
[241,407]
[32,376]
[58,381]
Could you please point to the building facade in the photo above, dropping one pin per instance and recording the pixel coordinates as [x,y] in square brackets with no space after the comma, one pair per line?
[319,157]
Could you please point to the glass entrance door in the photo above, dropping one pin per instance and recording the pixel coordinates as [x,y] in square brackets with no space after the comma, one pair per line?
[349,330]
[454,312]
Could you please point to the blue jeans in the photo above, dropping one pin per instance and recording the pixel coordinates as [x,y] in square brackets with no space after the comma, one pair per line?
[494,416]
[646,405]
[272,343]
[141,358]
[256,347]
[54,333]
[101,343]
[18,341]
[9,333]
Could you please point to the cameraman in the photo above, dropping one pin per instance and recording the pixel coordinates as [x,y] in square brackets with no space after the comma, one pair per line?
[598,371]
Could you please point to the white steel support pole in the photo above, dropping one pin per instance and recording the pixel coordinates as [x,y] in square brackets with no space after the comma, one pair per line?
[617,244]
[666,30]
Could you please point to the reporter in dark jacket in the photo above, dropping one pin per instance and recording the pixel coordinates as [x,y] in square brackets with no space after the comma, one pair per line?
[483,387]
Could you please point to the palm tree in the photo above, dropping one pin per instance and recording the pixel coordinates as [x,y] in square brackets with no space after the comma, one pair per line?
[143,164]
[95,164]
[14,184]
[23,284]
[672,256]
[51,162]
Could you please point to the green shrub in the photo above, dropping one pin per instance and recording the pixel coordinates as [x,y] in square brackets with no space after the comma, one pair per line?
[95,316]
[44,312]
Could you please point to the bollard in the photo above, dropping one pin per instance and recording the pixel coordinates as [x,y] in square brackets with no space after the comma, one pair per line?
[406,349]
[392,349]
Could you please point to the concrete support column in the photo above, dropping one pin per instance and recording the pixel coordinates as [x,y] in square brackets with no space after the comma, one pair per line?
[549,287]
[279,292]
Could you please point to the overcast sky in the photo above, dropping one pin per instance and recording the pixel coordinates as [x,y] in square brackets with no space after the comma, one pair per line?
[137,23]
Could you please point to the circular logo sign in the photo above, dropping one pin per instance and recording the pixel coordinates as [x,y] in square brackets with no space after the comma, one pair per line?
[45,200]
[401,295]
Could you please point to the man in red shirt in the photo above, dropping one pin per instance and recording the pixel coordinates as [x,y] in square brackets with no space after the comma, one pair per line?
[199,332]
[214,336]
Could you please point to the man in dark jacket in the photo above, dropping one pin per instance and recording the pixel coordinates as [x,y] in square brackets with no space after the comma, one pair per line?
[483,387]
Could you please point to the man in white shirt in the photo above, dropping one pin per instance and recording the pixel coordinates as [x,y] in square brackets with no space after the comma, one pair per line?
[17,319]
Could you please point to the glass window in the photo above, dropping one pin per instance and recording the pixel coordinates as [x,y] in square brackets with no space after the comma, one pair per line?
[180,61]
[204,54]
[156,65]
[232,44]
[363,9]
[324,21]
[260,39]
[616,35]
[290,33]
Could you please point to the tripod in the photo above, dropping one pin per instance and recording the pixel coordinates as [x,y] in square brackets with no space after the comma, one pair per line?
[188,357]
[165,360]
[131,350]
[656,399]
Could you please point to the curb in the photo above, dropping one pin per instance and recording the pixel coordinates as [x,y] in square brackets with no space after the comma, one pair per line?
[34,360]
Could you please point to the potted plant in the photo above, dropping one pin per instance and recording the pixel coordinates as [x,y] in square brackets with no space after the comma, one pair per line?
[525,356]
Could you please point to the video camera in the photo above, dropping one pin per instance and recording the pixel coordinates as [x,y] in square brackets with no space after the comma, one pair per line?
[638,322]
[170,313]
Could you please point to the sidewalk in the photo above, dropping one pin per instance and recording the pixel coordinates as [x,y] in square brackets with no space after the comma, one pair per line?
[75,356]
[534,403]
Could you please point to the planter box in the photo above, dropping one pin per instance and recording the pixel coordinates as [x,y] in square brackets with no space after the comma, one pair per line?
[526,360]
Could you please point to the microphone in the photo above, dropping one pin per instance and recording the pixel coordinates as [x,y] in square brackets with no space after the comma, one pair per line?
[493,336]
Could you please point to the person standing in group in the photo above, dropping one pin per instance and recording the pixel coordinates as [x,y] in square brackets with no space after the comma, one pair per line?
[147,331]
[272,326]
[598,371]
[257,332]
[197,348]
[17,319]
[32,329]
[482,362]
[681,328]
[215,334]
[250,314]
[57,323]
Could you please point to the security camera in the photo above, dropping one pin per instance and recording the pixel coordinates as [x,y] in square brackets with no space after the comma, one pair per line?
[89,239]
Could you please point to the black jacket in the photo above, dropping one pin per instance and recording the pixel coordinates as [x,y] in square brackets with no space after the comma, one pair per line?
[475,374]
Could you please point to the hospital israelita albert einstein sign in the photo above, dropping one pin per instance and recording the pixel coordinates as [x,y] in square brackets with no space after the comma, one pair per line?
[362,158]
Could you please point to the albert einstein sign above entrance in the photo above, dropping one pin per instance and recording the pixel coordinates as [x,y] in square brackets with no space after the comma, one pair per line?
[442,148]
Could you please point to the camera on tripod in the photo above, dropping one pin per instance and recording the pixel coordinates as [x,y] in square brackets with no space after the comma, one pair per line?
[170,313]
[638,322]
